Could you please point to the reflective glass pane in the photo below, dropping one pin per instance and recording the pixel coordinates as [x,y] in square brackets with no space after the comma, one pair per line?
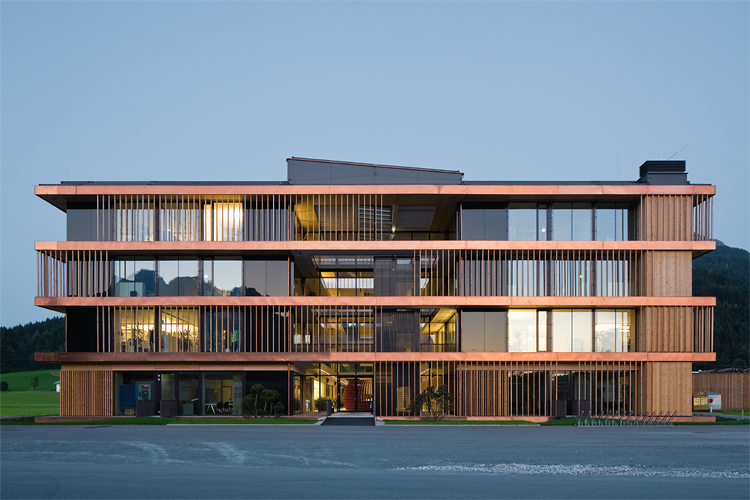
[624,338]
[472,332]
[541,217]
[227,277]
[561,330]
[494,224]
[561,219]
[522,222]
[542,331]
[605,223]
[582,331]
[522,330]
[144,278]
[495,332]
[189,278]
[472,224]
[123,285]
[168,282]
[277,278]
[255,278]
[604,331]
[581,216]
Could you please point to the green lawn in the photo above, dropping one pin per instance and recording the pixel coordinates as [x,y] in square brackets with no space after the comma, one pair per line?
[30,403]
[734,412]
[21,381]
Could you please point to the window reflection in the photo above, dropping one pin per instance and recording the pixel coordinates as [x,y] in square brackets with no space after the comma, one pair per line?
[613,330]
[179,278]
[522,330]
[522,221]
[222,278]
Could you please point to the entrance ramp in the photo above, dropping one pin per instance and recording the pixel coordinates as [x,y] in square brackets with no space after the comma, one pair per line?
[350,418]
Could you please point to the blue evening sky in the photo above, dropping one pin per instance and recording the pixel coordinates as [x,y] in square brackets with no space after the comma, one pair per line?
[229,90]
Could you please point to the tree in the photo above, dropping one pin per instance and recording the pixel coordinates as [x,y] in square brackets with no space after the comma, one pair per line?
[261,402]
[34,382]
[439,402]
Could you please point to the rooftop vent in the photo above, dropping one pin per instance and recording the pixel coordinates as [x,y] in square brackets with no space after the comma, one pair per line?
[663,172]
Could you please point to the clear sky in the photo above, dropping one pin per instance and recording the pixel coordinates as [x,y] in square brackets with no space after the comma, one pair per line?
[229,90]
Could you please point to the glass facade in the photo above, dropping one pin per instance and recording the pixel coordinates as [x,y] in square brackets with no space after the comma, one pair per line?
[553,222]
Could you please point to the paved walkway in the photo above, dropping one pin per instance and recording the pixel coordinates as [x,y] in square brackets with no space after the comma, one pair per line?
[725,415]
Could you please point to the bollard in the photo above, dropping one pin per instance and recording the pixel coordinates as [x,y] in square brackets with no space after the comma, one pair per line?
[329,407]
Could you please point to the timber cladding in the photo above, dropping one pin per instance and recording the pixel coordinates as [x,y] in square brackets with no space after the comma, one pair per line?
[675,329]
[734,387]
[86,392]
[667,387]
[667,274]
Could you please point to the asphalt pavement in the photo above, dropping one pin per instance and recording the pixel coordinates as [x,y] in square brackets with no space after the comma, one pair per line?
[294,461]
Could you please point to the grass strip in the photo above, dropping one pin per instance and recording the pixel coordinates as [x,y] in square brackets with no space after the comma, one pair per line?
[29,403]
[458,422]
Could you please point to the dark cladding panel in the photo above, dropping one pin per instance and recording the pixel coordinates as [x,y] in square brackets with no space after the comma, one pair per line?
[342,173]
[81,224]
[308,172]
[316,172]
[395,176]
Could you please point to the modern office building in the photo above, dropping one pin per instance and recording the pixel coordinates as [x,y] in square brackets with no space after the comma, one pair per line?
[366,283]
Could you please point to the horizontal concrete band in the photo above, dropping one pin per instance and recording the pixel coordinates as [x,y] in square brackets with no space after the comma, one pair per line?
[228,358]
[213,247]
[400,189]
[421,302]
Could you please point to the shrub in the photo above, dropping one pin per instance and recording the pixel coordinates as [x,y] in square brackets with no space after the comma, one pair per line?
[3,386]
[261,402]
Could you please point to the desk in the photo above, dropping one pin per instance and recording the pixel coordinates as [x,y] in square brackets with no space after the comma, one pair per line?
[212,407]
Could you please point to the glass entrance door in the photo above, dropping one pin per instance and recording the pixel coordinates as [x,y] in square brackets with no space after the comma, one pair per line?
[354,387]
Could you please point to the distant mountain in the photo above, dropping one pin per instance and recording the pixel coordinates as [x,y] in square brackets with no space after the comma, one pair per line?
[725,274]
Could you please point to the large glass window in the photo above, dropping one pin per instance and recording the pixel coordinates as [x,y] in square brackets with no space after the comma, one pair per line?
[133,278]
[613,330]
[582,331]
[522,330]
[222,393]
[222,277]
[266,278]
[522,222]
[223,221]
[179,278]
[179,330]
[483,223]
[571,222]
[134,329]
[572,330]
[484,331]
[562,323]
[611,222]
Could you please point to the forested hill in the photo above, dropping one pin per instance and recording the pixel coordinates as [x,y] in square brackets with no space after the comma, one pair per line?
[19,343]
[725,274]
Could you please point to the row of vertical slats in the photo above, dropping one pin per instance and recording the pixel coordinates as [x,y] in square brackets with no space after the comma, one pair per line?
[734,388]
[86,392]
[501,389]
[540,273]
[675,218]
[397,384]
